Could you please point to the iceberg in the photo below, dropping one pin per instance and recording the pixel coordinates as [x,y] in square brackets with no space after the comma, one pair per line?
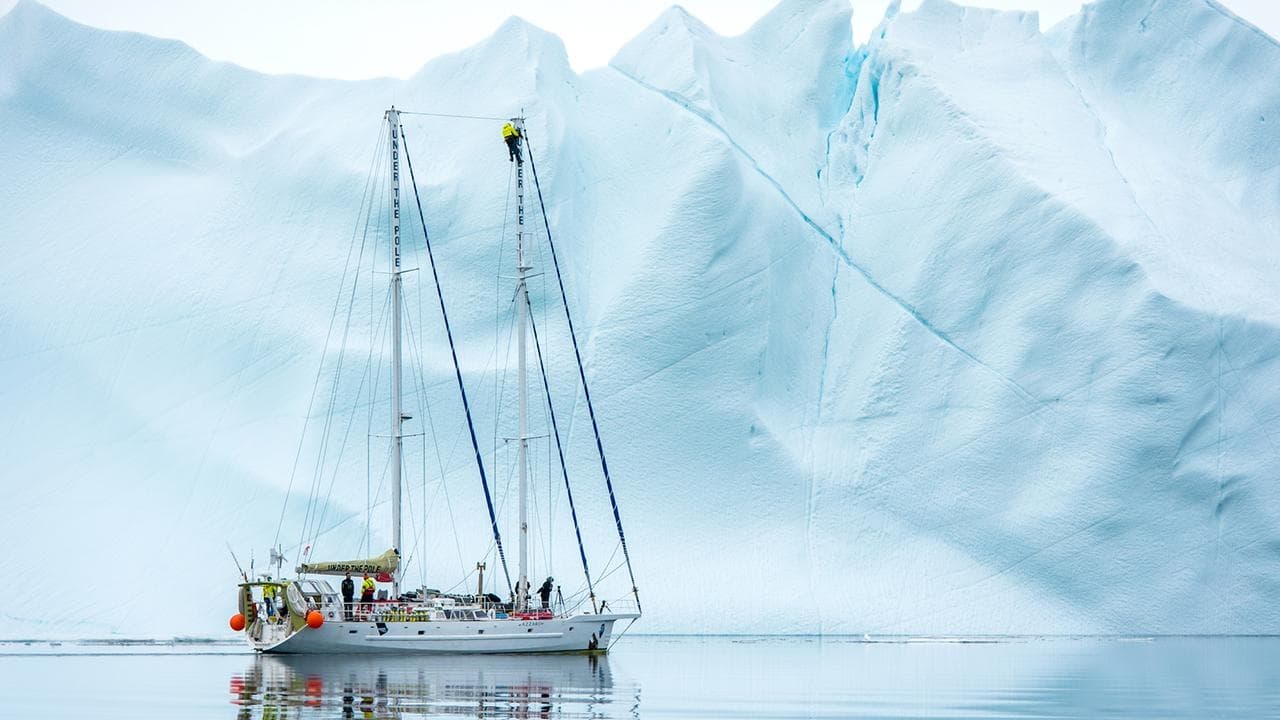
[969,329]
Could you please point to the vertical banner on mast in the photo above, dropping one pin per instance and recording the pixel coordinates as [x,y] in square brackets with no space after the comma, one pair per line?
[397,414]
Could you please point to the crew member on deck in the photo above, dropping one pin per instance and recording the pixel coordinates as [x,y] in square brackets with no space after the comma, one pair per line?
[366,593]
[348,595]
[544,592]
[521,598]
[269,595]
[511,134]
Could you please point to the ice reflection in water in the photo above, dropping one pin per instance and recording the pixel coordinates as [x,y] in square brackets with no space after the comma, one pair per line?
[416,687]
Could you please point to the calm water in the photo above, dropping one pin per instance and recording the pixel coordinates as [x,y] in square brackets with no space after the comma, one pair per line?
[663,677]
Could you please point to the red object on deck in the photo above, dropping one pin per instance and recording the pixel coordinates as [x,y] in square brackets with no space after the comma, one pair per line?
[237,622]
[314,619]
[384,577]
[534,615]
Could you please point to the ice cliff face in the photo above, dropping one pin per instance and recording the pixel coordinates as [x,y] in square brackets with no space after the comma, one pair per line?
[971,329]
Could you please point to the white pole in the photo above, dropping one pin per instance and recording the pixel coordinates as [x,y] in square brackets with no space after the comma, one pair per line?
[522,303]
[397,415]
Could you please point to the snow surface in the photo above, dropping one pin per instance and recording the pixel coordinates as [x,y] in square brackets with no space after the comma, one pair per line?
[971,329]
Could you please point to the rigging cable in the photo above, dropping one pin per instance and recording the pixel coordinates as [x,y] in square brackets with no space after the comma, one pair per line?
[376,335]
[451,115]
[435,437]
[421,388]
[328,336]
[604,465]
[313,507]
[497,314]
[555,432]
[457,369]
[337,464]
[441,462]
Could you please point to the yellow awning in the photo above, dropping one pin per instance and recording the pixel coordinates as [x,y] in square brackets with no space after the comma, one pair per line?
[387,562]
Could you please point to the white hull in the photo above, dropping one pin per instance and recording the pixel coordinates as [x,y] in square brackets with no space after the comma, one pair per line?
[577,634]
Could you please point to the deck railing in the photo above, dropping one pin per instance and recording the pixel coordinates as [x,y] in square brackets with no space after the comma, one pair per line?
[620,605]
[423,611]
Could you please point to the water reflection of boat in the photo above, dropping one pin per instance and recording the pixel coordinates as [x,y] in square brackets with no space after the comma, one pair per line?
[429,686]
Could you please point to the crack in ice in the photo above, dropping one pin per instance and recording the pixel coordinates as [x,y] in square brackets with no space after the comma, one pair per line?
[835,245]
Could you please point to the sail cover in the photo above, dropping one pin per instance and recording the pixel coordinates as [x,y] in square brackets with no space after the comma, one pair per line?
[387,562]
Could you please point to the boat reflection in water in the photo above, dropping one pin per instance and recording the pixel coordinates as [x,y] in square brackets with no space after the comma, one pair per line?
[502,686]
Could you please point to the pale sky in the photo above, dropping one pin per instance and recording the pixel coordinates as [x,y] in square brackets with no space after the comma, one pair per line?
[354,39]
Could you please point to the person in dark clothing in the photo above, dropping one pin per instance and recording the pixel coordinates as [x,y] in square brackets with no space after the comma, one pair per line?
[544,593]
[348,596]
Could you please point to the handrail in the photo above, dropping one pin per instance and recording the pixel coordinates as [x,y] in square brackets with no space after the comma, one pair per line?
[434,611]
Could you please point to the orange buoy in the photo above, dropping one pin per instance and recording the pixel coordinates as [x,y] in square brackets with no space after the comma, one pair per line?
[237,622]
[314,619]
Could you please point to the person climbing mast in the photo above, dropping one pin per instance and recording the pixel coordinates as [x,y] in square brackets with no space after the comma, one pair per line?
[511,133]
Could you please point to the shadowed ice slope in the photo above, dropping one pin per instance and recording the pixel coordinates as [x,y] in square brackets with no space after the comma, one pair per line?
[967,330]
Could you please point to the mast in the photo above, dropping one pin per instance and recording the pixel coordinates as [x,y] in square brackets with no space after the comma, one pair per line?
[397,414]
[522,308]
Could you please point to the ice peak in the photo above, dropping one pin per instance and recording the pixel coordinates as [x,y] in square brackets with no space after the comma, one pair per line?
[516,44]
[518,38]
[793,26]
[675,31]
[677,15]
[29,9]
[953,13]
[945,26]
[792,16]
[32,16]
[35,36]
[518,29]
[778,27]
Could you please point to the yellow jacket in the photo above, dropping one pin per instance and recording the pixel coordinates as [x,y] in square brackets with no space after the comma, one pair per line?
[509,130]
[367,587]
[268,591]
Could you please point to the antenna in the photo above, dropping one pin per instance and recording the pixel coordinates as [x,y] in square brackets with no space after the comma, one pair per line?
[237,562]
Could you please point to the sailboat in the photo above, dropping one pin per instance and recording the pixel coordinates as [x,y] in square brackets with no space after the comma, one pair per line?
[304,614]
